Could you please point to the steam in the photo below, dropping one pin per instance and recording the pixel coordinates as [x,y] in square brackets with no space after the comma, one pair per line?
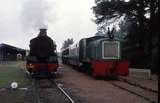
[36,14]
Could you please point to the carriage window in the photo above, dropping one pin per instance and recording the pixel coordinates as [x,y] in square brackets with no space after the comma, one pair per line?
[110,50]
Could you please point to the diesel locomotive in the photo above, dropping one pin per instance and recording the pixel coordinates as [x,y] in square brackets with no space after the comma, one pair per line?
[98,56]
[42,59]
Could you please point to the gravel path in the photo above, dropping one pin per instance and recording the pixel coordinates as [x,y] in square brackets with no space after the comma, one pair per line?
[48,92]
[15,96]
[89,90]
[150,84]
[146,94]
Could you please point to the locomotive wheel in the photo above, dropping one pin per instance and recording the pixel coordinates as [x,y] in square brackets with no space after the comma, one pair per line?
[81,68]
[112,75]
[89,71]
[86,67]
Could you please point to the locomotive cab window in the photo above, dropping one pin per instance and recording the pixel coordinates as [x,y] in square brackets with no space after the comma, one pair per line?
[111,50]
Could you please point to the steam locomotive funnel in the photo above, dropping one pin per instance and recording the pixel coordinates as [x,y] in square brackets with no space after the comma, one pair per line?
[43,29]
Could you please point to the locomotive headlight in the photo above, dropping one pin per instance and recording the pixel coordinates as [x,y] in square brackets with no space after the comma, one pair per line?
[30,66]
[14,85]
[80,64]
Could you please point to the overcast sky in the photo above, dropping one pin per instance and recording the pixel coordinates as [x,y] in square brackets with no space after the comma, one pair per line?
[20,20]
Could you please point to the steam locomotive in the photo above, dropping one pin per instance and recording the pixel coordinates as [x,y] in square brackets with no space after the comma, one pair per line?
[42,59]
[98,56]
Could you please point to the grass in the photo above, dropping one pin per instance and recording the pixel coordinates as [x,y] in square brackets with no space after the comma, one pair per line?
[12,71]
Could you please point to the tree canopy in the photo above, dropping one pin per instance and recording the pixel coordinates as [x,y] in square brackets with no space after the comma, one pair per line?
[67,43]
[143,16]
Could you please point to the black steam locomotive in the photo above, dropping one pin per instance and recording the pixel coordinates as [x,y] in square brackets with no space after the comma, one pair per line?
[42,59]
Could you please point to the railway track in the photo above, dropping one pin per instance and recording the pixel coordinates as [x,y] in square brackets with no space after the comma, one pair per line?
[136,84]
[149,95]
[48,91]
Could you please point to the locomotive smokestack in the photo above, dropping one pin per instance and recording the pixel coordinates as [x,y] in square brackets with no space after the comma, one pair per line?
[43,30]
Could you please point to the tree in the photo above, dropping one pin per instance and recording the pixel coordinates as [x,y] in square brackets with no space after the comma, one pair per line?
[143,14]
[67,43]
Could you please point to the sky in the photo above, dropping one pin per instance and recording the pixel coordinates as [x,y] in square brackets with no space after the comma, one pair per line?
[21,19]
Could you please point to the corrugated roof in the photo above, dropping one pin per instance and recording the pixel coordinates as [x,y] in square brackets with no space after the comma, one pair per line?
[10,46]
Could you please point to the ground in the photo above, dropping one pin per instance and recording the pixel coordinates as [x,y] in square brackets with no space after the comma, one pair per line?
[9,72]
[95,91]
[12,71]
[80,86]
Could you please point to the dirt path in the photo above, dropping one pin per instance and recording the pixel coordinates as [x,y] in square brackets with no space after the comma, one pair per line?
[94,91]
